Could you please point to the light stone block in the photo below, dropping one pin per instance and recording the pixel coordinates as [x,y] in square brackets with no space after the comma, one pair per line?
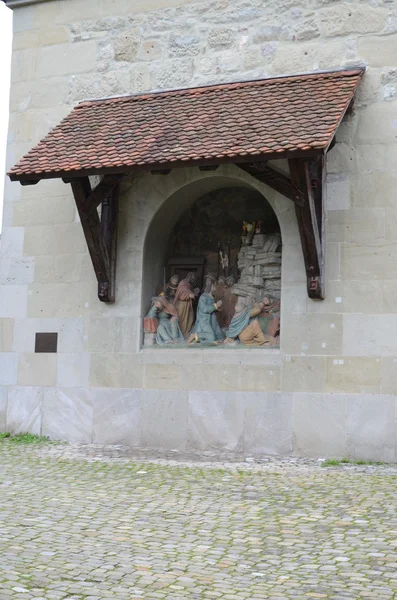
[377,124]
[24,65]
[371,261]
[371,158]
[340,161]
[111,334]
[346,19]
[13,300]
[354,375]
[41,211]
[37,369]
[116,370]
[371,427]
[11,244]
[232,377]
[63,268]
[389,375]
[303,373]
[6,334]
[35,38]
[376,189]
[216,421]
[292,265]
[389,288]
[117,416]
[66,59]
[268,423]
[162,377]
[24,409]
[349,297]
[378,50]
[294,299]
[16,271]
[73,370]
[332,261]
[306,56]
[70,334]
[320,425]
[164,420]
[8,368]
[67,238]
[338,194]
[391,224]
[370,335]
[356,225]
[312,334]
[3,408]
[61,300]
[68,414]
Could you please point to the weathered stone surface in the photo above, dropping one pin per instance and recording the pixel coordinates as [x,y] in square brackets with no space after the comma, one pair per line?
[221,37]
[117,416]
[115,370]
[352,18]
[216,420]
[73,370]
[126,46]
[164,419]
[13,300]
[65,59]
[371,427]
[67,414]
[3,407]
[378,51]
[6,333]
[268,422]
[24,409]
[320,425]
[16,271]
[37,369]
[354,375]
[184,45]
[172,73]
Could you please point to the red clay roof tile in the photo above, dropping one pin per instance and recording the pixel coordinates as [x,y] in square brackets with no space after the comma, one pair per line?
[280,115]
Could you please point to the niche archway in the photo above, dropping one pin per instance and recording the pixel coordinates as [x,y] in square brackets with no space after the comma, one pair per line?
[200,228]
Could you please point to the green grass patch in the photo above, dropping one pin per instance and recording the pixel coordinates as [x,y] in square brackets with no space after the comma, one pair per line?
[5,435]
[28,438]
[334,462]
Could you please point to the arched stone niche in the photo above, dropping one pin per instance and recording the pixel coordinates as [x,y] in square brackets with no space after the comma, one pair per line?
[171,195]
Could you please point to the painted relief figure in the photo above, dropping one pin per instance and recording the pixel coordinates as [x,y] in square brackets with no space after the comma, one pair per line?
[206,328]
[183,303]
[163,320]
[169,289]
[245,326]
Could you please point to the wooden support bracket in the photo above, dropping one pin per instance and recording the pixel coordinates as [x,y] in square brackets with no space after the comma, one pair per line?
[100,234]
[274,179]
[308,176]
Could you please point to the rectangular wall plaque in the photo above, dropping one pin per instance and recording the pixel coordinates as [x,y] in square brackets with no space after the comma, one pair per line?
[46,342]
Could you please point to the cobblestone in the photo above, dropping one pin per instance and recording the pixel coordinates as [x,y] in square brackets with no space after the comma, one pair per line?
[107,523]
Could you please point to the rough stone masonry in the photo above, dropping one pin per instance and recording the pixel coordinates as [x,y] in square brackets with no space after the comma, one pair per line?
[331,388]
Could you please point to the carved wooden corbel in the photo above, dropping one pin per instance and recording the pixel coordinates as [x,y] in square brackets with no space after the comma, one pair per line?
[100,233]
[308,176]
[274,179]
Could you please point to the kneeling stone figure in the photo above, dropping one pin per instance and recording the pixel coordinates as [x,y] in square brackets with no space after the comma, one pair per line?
[246,327]
[163,320]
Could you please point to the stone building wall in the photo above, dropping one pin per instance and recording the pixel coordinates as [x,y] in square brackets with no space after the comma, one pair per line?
[331,388]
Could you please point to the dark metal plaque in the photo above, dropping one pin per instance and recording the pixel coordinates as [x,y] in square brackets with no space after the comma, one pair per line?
[46,342]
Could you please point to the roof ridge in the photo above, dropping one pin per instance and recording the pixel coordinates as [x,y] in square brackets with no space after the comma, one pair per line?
[150,95]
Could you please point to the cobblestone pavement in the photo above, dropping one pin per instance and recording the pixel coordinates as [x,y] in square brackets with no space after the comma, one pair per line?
[99,523]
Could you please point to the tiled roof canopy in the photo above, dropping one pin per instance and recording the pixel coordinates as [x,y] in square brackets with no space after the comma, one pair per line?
[281,117]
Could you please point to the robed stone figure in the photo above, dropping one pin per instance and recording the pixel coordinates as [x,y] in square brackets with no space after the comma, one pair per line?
[183,302]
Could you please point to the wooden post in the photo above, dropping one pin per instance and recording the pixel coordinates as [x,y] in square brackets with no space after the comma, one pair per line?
[310,218]
[100,234]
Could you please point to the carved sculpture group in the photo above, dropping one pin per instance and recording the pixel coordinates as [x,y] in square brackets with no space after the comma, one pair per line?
[219,314]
